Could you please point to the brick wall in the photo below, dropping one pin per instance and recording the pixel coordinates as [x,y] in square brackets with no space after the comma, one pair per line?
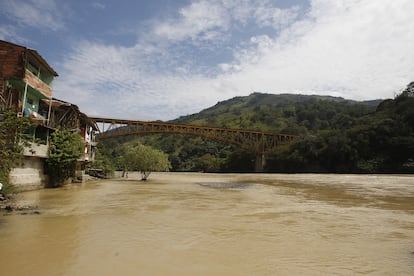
[2,84]
[11,61]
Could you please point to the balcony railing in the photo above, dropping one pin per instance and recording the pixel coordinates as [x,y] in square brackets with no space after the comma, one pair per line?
[38,84]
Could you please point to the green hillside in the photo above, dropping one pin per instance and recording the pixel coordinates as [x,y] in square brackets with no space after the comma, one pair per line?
[284,113]
[335,135]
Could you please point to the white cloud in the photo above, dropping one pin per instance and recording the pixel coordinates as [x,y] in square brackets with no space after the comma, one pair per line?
[10,32]
[263,12]
[197,21]
[98,5]
[35,13]
[116,81]
[275,17]
[212,19]
[356,49]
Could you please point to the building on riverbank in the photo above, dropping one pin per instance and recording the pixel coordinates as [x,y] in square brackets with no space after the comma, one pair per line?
[26,88]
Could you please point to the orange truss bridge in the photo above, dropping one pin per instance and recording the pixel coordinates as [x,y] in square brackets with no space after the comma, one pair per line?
[258,142]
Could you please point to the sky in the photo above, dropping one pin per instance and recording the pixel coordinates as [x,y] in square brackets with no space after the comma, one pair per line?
[162,59]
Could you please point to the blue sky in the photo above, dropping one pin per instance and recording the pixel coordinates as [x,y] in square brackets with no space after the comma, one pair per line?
[161,59]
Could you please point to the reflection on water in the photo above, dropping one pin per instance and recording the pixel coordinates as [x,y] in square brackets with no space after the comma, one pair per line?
[216,224]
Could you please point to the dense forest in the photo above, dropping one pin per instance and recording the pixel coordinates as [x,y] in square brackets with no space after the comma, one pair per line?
[334,135]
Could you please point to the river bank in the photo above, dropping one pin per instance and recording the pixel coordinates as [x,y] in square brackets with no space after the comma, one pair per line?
[10,202]
[4,201]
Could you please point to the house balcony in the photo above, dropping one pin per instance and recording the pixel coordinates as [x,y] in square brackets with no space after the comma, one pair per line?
[37,84]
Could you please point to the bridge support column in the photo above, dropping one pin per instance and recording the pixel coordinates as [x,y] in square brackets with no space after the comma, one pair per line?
[260,162]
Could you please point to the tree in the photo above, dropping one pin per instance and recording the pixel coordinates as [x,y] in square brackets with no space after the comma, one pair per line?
[145,159]
[209,163]
[102,162]
[239,160]
[12,141]
[66,148]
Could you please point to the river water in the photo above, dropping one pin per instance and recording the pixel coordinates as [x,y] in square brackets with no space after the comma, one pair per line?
[215,224]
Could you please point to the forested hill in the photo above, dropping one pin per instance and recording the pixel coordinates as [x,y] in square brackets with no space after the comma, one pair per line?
[335,135]
[286,113]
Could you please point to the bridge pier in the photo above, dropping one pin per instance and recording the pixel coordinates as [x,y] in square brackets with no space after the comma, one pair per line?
[260,162]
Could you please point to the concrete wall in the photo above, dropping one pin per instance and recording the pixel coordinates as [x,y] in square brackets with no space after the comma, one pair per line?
[29,175]
[36,150]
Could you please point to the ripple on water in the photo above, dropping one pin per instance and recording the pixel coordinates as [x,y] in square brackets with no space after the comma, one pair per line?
[224,185]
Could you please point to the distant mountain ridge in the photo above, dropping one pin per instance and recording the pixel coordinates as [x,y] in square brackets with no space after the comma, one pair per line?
[242,111]
[275,100]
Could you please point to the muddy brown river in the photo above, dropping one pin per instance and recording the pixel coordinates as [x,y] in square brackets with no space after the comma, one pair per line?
[215,224]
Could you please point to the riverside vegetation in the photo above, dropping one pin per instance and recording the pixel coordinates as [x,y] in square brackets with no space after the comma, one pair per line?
[334,135]
[12,141]
[65,148]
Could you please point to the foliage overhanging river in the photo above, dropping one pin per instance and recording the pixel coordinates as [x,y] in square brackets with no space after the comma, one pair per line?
[215,224]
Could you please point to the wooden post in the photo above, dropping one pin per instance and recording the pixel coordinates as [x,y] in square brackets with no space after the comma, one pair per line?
[24,97]
[49,111]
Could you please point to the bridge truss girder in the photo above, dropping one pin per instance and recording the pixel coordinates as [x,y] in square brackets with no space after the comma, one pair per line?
[258,142]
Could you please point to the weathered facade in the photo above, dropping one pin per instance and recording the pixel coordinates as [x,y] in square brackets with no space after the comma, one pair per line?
[68,116]
[25,80]
[26,87]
